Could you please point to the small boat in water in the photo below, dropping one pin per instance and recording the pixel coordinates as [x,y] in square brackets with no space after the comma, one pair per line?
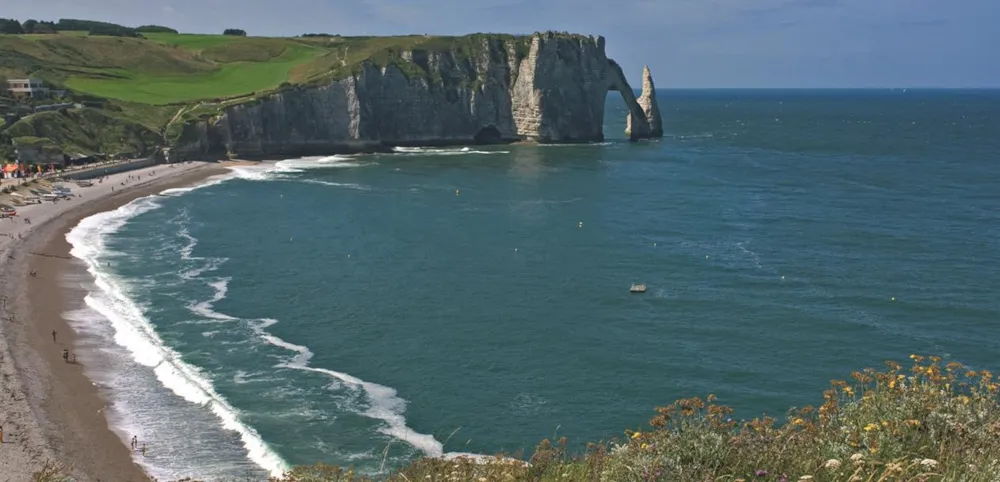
[637,288]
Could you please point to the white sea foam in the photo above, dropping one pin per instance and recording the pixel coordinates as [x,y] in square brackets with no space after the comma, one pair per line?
[205,308]
[133,331]
[261,172]
[347,185]
[384,404]
[431,151]
[212,181]
[303,163]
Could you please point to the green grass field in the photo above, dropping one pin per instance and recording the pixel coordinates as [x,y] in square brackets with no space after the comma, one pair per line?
[236,66]
[227,79]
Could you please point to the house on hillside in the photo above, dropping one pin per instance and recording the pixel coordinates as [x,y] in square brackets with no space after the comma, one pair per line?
[26,88]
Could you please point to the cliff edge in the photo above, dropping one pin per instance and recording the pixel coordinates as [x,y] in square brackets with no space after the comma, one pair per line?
[547,87]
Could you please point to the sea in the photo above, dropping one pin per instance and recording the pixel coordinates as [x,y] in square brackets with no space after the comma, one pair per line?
[368,310]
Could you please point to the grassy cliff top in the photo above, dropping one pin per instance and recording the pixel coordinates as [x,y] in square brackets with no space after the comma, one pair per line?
[168,68]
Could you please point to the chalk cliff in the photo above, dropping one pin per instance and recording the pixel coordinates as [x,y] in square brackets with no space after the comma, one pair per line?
[547,88]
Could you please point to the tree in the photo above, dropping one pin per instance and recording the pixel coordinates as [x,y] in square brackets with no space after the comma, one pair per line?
[154,29]
[44,27]
[29,25]
[235,31]
[10,26]
[112,31]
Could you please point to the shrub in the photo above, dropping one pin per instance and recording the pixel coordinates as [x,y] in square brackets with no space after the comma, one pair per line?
[235,31]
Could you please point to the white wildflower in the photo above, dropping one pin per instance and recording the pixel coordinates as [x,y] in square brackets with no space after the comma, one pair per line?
[832,464]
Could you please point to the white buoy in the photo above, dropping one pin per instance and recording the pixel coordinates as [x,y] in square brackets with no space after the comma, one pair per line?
[654,244]
[457,191]
[706,256]
[893,298]
[782,276]
[515,250]
[581,224]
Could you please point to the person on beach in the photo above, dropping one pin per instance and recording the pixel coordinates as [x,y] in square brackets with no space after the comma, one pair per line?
[135,442]
[1,434]
[65,355]
[53,336]
[143,450]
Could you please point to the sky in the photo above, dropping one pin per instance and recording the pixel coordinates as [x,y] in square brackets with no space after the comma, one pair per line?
[686,43]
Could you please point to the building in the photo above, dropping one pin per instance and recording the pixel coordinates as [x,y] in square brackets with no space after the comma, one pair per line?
[26,88]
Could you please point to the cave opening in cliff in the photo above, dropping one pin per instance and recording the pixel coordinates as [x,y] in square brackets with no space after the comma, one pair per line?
[488,135]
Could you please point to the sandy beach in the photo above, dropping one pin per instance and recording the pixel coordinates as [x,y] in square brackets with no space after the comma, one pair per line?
[51,413]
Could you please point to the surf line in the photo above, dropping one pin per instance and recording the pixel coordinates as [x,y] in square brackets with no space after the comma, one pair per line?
[135,332]
[384,403]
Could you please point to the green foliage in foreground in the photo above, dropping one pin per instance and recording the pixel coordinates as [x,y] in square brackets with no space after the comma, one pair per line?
[930,423]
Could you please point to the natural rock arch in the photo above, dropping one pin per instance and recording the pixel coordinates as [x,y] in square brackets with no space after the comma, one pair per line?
[643,119]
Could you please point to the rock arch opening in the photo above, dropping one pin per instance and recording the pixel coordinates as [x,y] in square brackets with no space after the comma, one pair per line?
[488,135]
[643,119]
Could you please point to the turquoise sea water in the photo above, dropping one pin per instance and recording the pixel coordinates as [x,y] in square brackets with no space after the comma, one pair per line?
[368,308]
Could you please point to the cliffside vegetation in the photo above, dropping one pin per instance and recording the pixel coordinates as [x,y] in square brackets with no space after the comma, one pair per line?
[153,76]
[86,131]
[932,422]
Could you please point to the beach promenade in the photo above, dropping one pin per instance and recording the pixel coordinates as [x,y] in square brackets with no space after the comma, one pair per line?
[50,412]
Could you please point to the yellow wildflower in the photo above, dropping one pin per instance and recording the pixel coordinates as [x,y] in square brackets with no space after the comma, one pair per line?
[913,423]
[870,427]
[885,423]
[892,384]
[848,391]
[636,435]
[644,446]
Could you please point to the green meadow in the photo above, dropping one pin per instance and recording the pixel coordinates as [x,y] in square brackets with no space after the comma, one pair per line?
[235,66]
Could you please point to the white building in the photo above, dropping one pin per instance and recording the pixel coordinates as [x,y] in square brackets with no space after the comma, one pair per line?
[22,88]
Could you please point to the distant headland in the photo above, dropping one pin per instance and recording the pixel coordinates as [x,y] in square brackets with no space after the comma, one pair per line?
[75,88]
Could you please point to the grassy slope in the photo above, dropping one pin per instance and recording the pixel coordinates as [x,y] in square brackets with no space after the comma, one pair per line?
[86,131]
[234,66]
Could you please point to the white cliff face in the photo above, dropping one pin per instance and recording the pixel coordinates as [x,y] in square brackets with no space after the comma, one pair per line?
[650,109]
[553,91]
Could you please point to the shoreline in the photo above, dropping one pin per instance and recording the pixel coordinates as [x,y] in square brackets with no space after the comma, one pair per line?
[52,412]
